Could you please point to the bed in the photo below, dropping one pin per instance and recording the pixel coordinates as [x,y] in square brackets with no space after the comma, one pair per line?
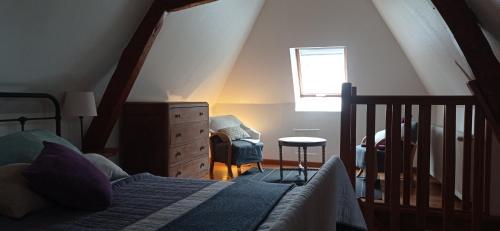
[147,202]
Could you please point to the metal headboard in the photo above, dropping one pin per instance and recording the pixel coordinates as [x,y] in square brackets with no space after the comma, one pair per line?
[22,120]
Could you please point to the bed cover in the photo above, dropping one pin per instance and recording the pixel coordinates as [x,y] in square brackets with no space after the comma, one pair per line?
[326,202]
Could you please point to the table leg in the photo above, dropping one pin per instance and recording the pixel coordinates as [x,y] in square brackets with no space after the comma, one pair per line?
[305,164]
[300,162]
[323,152]
[281,162]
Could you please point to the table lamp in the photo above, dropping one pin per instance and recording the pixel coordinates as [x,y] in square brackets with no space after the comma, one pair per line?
[79,104]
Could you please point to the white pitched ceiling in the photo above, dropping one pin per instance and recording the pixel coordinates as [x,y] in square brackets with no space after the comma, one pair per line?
[428,44]
[195,51]
[58,45]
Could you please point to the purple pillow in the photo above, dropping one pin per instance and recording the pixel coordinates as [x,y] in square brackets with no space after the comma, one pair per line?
[69,179]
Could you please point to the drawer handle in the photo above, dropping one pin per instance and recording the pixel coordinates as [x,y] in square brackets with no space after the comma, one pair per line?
[177,154]
[202,147]
[202,130]
[201,113]
[178,173]
[177,115]
[178,135]
[202,165]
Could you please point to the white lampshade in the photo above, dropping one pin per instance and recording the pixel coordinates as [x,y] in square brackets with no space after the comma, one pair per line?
[79,104]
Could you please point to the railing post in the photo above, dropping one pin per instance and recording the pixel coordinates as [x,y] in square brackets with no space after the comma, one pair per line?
[388,153]
[345,132]
[352,144]
[407,157]
[423,160]
[396,167]
[371,171]
[448,189]
[478,170]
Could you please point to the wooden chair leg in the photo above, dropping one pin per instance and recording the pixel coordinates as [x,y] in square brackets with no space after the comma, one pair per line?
[229,160]
[211,168]
[259,165]
[229,170]
[360,173]
[239,169]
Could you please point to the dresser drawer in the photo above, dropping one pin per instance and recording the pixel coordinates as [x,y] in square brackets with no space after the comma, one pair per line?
[188,114]
[186,133]
[186,152]
[193,168]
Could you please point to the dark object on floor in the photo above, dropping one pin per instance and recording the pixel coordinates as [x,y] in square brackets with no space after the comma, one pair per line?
[347,227]
[361,188]
[273,176]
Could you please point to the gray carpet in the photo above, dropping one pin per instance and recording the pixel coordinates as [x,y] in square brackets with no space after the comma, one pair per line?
[273,176]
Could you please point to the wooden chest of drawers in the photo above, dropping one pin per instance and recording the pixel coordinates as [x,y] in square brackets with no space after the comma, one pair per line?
[166,139]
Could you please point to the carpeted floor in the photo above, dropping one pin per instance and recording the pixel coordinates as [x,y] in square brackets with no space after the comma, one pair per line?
[273,176]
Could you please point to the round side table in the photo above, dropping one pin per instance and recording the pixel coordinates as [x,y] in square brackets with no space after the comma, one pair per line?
[304,143]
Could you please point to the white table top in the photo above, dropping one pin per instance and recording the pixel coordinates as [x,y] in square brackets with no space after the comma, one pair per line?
[299,139]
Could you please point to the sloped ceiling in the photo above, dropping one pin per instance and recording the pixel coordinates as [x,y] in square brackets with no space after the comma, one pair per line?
[195,51]
[430,47]
[59,45]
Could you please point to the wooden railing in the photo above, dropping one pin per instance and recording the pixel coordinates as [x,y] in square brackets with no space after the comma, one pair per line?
[398,187]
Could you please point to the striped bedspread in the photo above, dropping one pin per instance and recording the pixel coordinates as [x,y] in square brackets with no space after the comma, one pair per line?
[147,202]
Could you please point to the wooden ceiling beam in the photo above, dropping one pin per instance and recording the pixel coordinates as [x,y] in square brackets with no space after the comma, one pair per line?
[127,71]
[178,5]
[477,51]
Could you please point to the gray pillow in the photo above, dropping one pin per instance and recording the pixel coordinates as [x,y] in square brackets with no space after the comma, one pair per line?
[16,198]
[24,147]
[235,133]
[110,169]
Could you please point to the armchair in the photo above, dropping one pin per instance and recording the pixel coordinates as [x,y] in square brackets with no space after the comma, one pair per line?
[233,151]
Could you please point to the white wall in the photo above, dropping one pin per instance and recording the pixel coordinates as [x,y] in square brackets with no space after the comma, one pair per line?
[259,89]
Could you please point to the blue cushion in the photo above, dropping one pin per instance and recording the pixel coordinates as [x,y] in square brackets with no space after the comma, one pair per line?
[243,152]
[24,147]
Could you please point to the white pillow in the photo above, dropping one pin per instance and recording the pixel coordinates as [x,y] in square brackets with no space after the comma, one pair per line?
[380,136]
[235,133]
[110,169]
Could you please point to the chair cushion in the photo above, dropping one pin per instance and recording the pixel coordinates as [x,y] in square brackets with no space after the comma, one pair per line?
[243,152]
[69,179]
[235,133]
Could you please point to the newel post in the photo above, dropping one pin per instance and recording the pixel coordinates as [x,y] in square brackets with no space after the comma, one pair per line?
[345,132]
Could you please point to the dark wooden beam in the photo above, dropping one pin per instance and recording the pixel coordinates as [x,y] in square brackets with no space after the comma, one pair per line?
[478,53]
[127,71]
[177,5]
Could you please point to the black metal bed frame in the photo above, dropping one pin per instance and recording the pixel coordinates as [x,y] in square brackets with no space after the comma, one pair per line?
[22,120]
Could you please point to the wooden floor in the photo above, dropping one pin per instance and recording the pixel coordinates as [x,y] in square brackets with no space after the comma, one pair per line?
[220,170]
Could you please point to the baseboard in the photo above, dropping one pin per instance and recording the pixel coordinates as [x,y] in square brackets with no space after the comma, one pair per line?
[291,163]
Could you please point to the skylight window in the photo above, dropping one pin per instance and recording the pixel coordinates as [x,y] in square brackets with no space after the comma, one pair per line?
[318,74]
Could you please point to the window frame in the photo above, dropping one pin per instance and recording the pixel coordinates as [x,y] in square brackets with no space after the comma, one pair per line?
[299,70]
